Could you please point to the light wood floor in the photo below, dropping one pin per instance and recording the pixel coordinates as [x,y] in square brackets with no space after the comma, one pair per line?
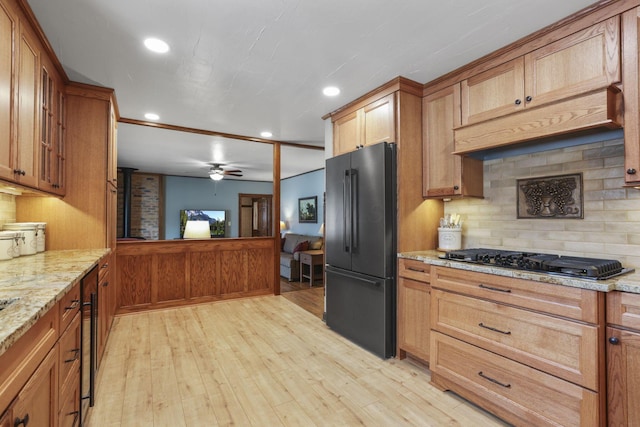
[309,298]
[259,362]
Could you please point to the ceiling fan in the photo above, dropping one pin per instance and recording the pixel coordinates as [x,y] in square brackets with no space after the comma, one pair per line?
[216,172]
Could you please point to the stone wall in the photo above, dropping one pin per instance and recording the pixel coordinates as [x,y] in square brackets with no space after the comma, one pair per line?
[611,224]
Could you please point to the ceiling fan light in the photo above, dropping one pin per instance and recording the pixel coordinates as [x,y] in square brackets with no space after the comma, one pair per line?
[216,176]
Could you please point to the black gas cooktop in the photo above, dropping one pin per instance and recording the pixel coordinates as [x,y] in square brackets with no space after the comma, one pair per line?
[587,268]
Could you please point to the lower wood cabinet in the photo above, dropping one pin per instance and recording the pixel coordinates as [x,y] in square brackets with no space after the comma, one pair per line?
[623,359]
[414,294]
[37,403]
[40,374]
[515,347]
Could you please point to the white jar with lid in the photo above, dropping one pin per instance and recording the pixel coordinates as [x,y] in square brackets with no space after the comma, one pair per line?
[29,244]
[8,244]
[40,235]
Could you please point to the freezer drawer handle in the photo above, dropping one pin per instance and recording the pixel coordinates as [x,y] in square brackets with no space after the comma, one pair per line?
[494,380]
[491,288]
[482,325]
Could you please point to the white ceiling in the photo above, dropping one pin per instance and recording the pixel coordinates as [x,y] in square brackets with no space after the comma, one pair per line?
[242,66]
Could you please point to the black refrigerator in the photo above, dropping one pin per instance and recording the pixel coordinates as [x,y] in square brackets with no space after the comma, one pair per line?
[360,248]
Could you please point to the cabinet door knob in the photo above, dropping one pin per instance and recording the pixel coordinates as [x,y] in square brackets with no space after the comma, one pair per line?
[518,102]
[456,187]
[528,99]
[631,171]
[614,340]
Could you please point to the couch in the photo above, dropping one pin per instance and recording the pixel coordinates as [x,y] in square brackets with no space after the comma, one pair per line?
[290,253]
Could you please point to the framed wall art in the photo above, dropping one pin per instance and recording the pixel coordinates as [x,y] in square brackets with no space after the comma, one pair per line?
[308,209]
[557,197]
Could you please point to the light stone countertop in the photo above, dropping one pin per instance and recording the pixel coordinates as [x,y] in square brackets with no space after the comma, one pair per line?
[629,282]
[39,281]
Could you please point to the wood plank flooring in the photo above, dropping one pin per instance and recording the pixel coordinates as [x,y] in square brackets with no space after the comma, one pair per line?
[260,361]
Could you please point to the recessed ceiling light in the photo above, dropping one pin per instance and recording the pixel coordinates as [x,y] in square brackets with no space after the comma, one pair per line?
[151,116]
[156,45]
[331,91]
[266,134]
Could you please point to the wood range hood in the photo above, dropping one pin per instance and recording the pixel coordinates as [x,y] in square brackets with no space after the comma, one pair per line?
[600,108]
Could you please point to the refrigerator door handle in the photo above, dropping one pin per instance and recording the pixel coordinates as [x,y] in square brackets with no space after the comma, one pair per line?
[346,213]
[354,210]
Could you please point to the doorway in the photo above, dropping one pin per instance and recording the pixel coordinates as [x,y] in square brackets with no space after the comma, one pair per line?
[255,215]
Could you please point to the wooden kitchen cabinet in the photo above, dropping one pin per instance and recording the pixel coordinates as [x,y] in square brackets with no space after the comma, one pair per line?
[373,123]
[630,83]
[37,403]
[532,353]
[446,174]
[89,138]
[623,358]
[414,294]
[52,130]
[393,112]
[584,61]
[106,297]
[19,77]
[8,30]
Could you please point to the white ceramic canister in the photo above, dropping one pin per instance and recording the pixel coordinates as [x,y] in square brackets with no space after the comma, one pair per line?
[8,244]
[449,238]
[40,235]
[29,244]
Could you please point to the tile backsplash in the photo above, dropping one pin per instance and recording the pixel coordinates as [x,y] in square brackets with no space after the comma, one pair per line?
[7,208]
[611,224]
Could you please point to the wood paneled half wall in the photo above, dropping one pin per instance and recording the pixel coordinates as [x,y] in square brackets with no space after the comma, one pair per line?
[167,273]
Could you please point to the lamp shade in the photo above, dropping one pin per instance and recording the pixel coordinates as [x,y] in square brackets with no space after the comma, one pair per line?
[283,226]
[197,230]
[321,230]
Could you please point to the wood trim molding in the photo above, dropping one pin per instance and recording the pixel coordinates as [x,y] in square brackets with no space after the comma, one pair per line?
[398,84]
[178,128]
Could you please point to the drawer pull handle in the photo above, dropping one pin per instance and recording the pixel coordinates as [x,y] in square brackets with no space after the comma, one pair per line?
[491,288]
[482,325]
[76,352]
[24,421]
[494,380]
[419,270]
[74,305]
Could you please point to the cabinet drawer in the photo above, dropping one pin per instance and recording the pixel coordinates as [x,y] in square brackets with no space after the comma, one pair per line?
[515,392]
[69,306]
[561,347]
[69,347]
[69,401]
[564,301]
[414,269]
[623,309]
[103,268]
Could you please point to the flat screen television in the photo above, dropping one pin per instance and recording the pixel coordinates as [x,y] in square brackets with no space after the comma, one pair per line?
[217,220]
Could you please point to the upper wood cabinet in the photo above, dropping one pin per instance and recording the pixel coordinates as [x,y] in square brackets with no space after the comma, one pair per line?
[446,174]
[630,79]
[584,61]
[32,128]
[393,113]
[367,125]
[25,159]
[52,130]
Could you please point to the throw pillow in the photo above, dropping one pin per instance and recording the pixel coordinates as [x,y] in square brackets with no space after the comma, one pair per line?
[284,239]
[302,246]
[316,244]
